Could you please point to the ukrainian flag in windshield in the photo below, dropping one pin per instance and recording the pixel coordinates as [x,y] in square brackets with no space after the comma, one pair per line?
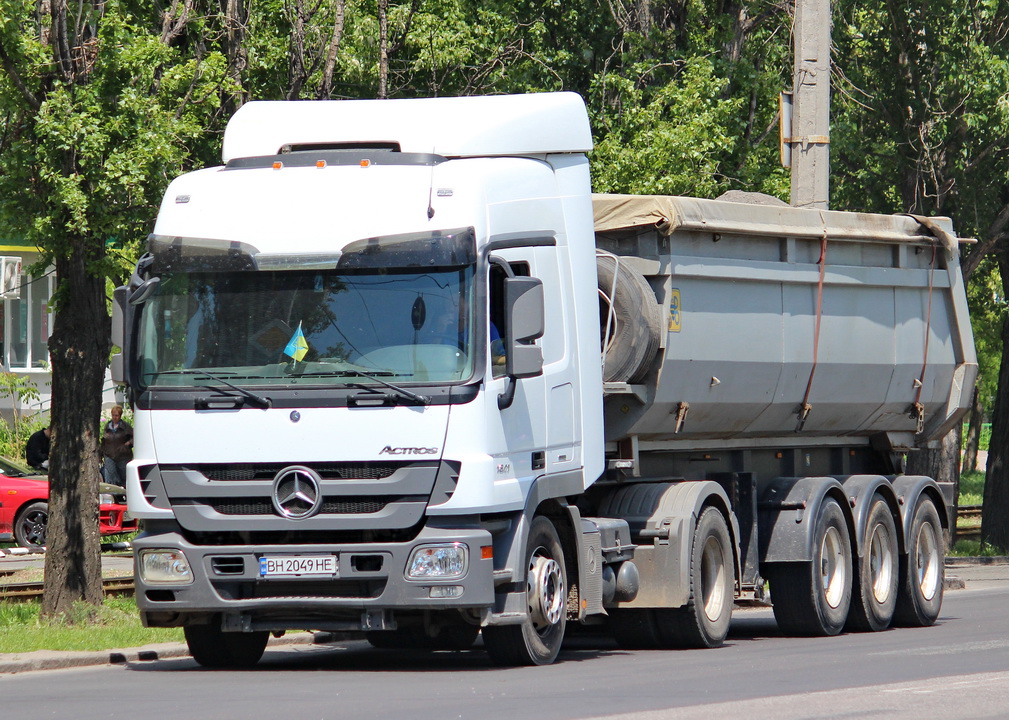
[297,347]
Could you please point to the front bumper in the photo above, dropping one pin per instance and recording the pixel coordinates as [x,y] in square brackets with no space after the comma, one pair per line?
[369,588]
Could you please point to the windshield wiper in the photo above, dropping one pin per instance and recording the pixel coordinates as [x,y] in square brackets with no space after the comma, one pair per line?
[260,400]
[408,394]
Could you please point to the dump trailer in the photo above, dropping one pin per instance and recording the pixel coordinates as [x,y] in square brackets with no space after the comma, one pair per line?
[396,371]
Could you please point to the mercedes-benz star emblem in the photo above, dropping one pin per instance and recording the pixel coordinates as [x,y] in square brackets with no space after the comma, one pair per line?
[297,492]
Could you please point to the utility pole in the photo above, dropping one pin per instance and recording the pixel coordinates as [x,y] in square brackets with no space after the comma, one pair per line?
[808,143]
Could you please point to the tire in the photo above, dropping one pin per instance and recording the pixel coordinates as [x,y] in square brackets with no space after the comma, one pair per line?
[635,324]
[537,640]
[30,525]
[704,621]
[213,648]
[922,570]
[874,594]
[813,598]
[448,637]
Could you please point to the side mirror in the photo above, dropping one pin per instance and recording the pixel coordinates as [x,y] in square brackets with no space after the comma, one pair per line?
[144,291]
[122,317]
[524,308]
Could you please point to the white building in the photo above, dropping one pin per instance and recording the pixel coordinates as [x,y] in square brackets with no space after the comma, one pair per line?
[26,324]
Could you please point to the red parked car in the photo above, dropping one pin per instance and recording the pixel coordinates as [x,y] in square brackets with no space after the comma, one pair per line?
[24,506]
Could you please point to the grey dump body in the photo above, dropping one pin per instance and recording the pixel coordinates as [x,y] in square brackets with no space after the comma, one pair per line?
[765,344]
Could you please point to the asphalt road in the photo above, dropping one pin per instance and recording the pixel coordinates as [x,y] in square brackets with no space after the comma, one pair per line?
[957,669]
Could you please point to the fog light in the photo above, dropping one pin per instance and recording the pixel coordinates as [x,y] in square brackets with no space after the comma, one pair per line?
[164,567]
[442,562]
[445,591]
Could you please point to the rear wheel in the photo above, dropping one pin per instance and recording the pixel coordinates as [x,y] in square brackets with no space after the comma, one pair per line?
[704,621]
[537,640]
[30,525]
[813,598]
[874,596]
[922,570]
[212,647]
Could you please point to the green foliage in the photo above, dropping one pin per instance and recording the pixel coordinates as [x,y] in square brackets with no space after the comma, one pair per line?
[18,390]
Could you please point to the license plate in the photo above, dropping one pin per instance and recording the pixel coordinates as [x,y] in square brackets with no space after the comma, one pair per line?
[297,565]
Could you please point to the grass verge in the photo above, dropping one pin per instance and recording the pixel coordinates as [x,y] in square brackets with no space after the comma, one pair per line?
[115,624]
[972,488]
[973,548]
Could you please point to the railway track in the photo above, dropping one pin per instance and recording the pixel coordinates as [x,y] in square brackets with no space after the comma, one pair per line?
[33,590]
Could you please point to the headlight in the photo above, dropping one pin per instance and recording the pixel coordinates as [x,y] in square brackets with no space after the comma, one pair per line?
[106,499]
[438,562]
[165,566]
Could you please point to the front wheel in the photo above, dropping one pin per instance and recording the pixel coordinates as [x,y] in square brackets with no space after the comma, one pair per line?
[212,647]
[537,640]
[30,526]
[813,598]
[922,570]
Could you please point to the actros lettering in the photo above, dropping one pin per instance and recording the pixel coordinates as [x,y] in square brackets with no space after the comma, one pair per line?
[389,450]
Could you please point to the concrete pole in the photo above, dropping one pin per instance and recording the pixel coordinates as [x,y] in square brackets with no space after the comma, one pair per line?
[810,139]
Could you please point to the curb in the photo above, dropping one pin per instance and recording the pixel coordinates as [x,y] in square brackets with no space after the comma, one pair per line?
[981,560]
[60,660]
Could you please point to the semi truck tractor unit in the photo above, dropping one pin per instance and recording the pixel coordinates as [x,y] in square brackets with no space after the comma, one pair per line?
[395,370]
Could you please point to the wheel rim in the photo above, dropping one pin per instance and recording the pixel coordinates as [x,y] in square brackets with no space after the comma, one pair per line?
[927,559]
[881,563]
[546,591]
[832,570]
[33,527]
[712,579]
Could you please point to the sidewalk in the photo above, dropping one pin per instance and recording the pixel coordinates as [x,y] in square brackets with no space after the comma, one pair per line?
[973,573]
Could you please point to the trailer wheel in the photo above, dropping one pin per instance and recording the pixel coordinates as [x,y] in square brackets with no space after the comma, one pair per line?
[813,598]
[704,621]
[635,324]
[874,596]
[537,640]
[212,647]
[922,570]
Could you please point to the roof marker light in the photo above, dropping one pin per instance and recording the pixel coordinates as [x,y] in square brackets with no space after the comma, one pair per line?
[366,163]
[320,163]
[277,165]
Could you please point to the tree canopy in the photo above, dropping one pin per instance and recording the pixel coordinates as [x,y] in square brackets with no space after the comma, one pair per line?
[104,102]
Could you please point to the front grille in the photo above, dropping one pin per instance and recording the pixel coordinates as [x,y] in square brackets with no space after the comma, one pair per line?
[293,590]
[343,506]
[267,471]
[228,565]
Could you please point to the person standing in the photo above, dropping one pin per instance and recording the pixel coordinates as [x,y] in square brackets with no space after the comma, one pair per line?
[37,449]
[117,448]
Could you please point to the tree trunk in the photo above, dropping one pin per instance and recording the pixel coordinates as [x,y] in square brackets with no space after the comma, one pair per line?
[973,440]
[383,49]
[79,347]
[943,466]
[995,507]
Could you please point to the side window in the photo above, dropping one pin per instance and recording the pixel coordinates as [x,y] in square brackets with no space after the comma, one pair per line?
[27,323]
[496,327]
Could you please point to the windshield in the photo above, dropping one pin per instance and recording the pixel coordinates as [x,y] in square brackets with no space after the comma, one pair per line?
[332,327]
